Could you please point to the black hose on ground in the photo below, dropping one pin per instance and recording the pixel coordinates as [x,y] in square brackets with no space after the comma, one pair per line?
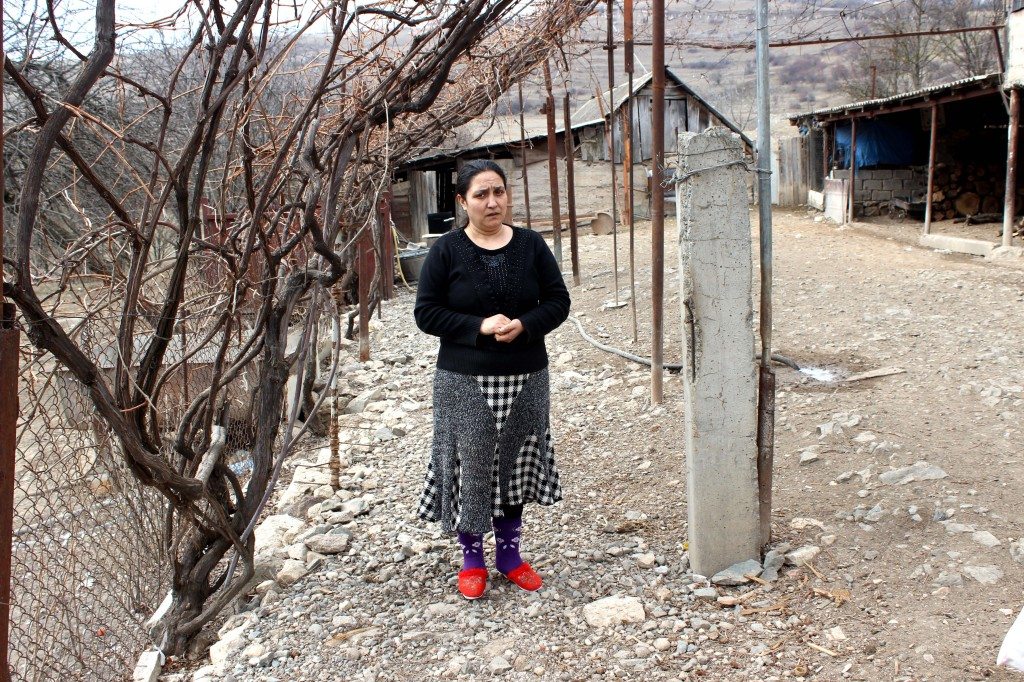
[781,359]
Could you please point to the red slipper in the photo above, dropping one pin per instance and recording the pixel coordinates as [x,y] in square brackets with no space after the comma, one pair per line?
[473,582]
[525,577]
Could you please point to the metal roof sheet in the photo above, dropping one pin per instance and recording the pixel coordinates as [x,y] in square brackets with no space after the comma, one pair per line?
[987,80]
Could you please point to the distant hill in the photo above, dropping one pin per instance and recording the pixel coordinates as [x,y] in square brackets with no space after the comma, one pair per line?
[801,78]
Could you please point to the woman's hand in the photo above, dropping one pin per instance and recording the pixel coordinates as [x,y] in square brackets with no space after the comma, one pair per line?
[491,325]
[509,332]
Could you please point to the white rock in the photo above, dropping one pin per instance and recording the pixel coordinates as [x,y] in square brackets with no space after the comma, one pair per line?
[864,437]
[707,593]
[232,641]
[276,531]
[874,514]
[829,429]
[986,575]
[297,551]
[918,471]
[944,579]
[802,555]
[662,644]
[646,561]
[1017,551]
[254,650]
[363,400]
[328,543]
[613,611]
[809,456]
[738,574]
[499,665]
[442,611]
[147,669]
[208,673]
[356,507]
[985,538]
[803,522]
[292,572]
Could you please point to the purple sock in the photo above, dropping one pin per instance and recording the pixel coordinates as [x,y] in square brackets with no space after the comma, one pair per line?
[506,540]
[472,550]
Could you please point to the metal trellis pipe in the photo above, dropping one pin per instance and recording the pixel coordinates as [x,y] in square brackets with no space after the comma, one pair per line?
[766,377]
[658,202]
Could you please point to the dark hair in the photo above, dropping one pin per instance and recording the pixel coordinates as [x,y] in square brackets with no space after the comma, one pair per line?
[473,169]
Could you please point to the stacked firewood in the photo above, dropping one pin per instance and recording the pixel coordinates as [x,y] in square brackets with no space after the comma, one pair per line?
[969,190]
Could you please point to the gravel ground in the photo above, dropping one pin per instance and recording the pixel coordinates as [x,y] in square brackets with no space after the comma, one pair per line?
[916,580]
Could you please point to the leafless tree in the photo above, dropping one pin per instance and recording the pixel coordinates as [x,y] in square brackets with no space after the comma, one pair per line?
[971,54]
[223,180]
[904,64]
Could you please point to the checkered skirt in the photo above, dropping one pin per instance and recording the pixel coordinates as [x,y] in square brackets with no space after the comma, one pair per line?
[534,475]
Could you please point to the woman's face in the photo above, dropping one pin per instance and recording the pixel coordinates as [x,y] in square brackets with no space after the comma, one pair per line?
[486,201]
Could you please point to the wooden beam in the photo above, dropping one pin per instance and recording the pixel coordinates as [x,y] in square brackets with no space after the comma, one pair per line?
[556,212]
[932,136]
[853,171]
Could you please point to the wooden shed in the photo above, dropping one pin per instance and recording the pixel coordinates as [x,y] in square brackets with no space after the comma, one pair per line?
[685,111]
[425,185]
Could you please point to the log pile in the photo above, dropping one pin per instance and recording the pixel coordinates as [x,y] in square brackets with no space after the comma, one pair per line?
[968,190]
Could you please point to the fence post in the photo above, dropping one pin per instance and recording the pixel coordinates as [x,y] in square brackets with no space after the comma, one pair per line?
[8,426]
[719,378]
[364,264]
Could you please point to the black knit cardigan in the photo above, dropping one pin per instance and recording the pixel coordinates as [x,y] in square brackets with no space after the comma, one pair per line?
[454,296]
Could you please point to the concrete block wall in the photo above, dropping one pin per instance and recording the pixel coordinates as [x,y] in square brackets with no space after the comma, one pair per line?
[875,187]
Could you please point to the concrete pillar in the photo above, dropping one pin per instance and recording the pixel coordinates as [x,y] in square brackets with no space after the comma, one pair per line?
[719,373]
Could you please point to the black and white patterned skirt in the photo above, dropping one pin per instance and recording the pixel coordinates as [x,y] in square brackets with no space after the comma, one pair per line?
[492,447]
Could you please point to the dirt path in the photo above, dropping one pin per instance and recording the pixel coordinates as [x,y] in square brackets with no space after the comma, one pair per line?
[896,592]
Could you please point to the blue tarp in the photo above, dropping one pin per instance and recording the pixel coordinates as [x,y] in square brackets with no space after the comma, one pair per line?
[878,144]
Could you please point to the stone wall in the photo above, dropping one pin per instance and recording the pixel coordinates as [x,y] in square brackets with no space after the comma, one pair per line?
[875,187]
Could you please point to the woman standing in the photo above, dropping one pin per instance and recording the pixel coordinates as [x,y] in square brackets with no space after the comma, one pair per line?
[491,292]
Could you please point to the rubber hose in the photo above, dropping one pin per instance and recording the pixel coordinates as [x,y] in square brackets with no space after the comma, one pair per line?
[672,367]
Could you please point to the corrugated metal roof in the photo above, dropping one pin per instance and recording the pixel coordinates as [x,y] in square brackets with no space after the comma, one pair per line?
[590,112]
[504,131]
[987,80]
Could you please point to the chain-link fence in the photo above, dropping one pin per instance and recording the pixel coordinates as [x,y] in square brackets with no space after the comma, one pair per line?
[90,546]
[88,564]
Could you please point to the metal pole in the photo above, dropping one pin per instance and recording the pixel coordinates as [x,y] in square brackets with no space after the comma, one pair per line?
[364,256]
[1010,198]
[610,47]
[853,169]
[522,134]
[570,189]
[556,211]
[8,424]
[657,201]
[627,30]
[766,378]
[932,135]
[387,251]
[9,343]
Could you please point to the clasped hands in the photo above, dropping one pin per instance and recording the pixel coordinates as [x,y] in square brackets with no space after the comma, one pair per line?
[501,328]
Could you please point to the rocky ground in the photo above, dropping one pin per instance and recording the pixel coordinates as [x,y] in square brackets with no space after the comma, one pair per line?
[900,494]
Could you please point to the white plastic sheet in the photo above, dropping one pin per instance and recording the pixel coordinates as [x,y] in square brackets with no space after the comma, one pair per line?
[1011,653]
